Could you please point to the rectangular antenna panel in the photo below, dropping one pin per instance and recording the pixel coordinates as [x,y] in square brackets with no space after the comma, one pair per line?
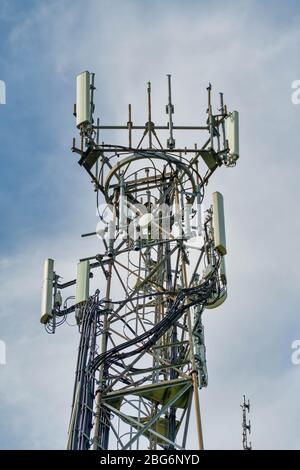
[83,99]
[219,223]
[232,128]
[82,282]
[47,299]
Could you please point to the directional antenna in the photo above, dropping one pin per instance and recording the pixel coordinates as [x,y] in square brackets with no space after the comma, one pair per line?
[170,111]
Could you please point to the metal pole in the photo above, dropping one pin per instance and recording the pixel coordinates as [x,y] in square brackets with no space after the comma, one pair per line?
[97,423]
[98,408]
[194,372]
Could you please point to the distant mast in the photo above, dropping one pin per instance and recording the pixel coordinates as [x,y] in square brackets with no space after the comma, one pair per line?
[246,426]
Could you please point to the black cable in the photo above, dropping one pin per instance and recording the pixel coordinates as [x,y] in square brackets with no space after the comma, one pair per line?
[158,330]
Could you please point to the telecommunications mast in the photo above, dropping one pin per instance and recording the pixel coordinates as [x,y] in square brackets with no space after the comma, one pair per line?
[246,426]
[141,358]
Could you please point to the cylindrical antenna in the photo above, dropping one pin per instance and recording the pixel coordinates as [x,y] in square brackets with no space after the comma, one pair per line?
[97,142]
[210,117]
[223,120]
[129,125]
[122,206]
[149,115]
[170,111]
[187,222]
[136,234]
[112,229]
[199,210]
[92,86]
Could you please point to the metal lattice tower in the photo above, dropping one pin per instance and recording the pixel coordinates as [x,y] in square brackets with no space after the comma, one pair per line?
[246,426]
[142,359]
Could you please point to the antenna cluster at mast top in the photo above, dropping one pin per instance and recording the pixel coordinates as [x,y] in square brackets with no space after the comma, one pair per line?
[221,147]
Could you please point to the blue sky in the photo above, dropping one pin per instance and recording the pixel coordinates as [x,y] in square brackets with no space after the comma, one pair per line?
[249,50]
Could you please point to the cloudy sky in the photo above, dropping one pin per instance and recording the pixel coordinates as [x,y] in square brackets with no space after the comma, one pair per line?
[247,49]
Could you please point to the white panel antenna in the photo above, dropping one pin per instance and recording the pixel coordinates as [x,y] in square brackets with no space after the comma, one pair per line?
[47,295]
[232,124]
[83,99]
[82,287]
[82,282]
[219,223]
